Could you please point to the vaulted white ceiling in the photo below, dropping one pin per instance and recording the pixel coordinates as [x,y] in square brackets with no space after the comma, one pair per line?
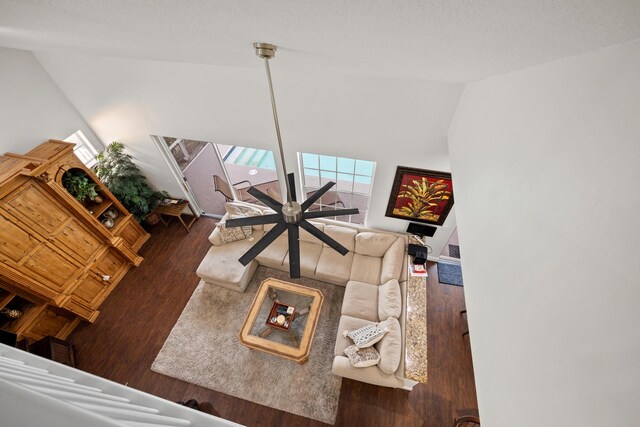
[445,40]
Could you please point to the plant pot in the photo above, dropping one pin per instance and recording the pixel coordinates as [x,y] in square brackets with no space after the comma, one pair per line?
[98,199]
[152,218]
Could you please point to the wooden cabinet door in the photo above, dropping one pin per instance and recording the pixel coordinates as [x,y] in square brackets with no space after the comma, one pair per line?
[16,244]
[77,241]
[51,268]
[112,265]
[32,205]
[96,285]
[88,295]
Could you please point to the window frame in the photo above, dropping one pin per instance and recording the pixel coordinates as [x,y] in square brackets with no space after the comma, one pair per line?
[336,173]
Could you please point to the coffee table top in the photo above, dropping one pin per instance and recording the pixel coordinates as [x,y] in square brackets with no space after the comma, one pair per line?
[293,343]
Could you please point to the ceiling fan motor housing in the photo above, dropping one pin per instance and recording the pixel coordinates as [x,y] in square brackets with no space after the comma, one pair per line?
[292,212]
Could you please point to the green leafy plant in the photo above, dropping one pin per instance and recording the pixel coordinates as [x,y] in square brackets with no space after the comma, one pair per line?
[79,185]
[122,177]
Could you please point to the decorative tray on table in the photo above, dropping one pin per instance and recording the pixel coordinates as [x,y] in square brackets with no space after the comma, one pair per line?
[280,316]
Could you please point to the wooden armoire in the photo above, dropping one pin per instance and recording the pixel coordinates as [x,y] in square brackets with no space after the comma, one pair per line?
[58,260]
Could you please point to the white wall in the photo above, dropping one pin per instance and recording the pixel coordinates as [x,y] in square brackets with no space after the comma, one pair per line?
[33,109]
[390,121]
[546,166]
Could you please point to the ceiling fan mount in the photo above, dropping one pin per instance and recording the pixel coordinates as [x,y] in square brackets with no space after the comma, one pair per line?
[265,50]
[291,215]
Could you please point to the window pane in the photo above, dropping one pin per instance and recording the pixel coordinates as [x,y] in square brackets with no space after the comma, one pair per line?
[325,177]
[364,167]
[346,165]
[328,163]
[345,182]
[353,178]
[310,160]
[311,178]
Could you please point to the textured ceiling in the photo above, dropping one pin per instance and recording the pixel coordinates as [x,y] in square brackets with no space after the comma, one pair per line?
[445,40]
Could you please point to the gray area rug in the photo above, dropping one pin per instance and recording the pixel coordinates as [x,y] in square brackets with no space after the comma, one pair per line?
[204,349]
[450,274]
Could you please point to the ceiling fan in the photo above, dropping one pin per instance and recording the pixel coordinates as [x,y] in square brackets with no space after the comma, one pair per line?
[290,215]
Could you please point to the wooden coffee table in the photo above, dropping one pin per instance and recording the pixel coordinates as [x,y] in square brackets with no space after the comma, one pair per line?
[293,343]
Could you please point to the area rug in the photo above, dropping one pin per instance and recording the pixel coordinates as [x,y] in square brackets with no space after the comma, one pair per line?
[454,251]
[204,349]
[450,274]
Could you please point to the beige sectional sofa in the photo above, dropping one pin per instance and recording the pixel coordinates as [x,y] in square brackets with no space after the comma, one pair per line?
[373,268]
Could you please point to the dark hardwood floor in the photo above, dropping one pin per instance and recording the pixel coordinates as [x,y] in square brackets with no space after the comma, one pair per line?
[138,316]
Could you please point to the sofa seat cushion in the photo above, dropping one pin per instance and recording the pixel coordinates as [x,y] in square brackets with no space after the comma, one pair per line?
[361,301]
[347,323]
[390,346]
[309,256]
[221,266]
[274,254]
[389,300]
[373,244]
[371,375]
[333,267]
[366,269]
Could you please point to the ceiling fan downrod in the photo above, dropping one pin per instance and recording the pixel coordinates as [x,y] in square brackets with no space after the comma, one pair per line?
[291,210]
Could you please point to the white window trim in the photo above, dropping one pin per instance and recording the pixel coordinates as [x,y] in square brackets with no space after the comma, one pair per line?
[81,142]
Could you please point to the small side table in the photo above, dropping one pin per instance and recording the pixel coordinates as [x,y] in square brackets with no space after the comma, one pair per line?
[175,210]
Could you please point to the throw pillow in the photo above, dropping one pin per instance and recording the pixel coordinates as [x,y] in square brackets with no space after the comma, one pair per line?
[230,234]
[389,300]
[362,358]
[390,347]
[238,210]
[366,336]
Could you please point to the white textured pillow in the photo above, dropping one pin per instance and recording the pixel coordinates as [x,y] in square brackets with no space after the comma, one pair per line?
[230,234]
[389,300]
[362,358]
[366,336]
[237,210]
[390,347]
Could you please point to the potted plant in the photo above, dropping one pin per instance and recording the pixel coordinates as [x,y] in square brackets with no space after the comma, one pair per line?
[80,186]
[122,177]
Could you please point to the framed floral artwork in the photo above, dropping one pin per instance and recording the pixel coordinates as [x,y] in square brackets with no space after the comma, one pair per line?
[421,195]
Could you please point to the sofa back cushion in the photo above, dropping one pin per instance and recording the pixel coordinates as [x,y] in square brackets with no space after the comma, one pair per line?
[389,300]
[373,244]
[343,235]
[393,261]
[390,346]
[305,236]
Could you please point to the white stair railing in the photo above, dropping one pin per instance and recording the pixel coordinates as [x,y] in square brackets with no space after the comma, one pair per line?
[37,392]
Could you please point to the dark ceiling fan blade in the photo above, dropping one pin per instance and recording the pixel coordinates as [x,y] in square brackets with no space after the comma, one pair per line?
[292,186]
[265,241]
[315,196]
[323,237]
[330,212]
[266,199]
[254,220]
[294,251]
